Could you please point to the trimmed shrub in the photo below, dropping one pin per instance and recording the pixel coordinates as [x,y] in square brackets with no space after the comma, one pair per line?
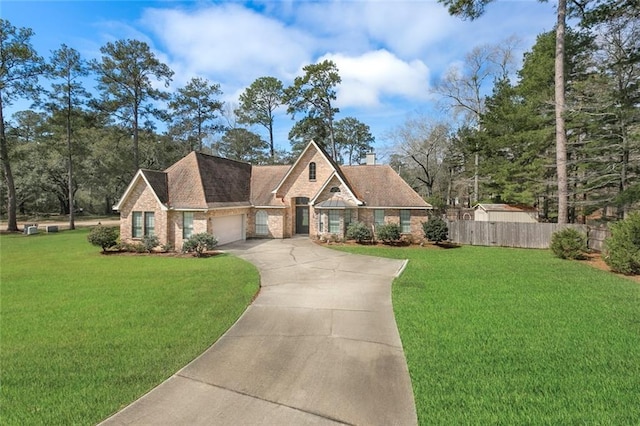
[436,230]
[359,231]
[103,236]
[335,238]
[199,243]
[388,233]
[135,247]
[149,242]
[569,243]
[622,248]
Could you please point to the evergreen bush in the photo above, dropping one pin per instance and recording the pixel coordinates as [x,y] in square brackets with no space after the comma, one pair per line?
[388,233]
[622,248]
[149,242]
[199,243]
[103,236]
[569,243]
[436,230]
[359,231]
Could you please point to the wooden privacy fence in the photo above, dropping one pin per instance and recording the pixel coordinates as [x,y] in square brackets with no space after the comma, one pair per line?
[512,234]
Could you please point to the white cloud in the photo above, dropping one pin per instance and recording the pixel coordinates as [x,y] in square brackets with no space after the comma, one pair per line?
[403,27]
[386,52]
[369,78]
[228,40]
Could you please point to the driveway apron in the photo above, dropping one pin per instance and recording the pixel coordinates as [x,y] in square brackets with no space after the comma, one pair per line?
[319,345]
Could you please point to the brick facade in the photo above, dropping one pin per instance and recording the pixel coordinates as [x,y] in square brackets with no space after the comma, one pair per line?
[275,223]
[298,184]
[142,199]
[324,184]
[366,216]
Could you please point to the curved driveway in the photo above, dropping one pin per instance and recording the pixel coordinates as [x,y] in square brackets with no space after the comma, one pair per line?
[319,345]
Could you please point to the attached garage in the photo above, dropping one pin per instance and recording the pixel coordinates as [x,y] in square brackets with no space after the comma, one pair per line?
[228,229]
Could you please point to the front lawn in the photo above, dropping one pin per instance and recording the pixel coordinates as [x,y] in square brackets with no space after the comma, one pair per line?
[84,334]
[512,336]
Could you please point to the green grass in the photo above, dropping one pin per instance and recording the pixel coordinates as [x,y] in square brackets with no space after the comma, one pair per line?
[511,336]
[84,334]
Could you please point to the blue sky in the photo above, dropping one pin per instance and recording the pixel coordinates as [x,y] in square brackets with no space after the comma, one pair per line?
[389,53]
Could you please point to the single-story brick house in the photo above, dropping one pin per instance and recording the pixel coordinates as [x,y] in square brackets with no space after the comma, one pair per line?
[235,200]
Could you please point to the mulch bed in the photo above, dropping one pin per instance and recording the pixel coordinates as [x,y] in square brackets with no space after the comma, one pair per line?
[595,260]
[206,254]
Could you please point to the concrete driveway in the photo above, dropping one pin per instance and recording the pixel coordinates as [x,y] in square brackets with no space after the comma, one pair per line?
[319,345]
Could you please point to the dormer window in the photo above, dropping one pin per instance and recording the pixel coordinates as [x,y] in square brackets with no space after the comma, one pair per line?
[334,189]
[312,171]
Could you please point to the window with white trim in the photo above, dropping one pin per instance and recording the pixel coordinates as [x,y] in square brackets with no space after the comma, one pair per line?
[149,224]
[143,224]
[312,171]
[378,217]
[262,225]
[348,217]
[137,229]
[187,225]
[405,221]
[334,221]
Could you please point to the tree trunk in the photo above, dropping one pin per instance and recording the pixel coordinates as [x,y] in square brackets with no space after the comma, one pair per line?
[136,152]
[72,223]
[271,147]
[476,179]
[334,152]
[561,135]
[624,163]
[12,223]
[107,205]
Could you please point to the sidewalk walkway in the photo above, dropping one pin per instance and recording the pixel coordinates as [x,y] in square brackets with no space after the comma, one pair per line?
[319,345]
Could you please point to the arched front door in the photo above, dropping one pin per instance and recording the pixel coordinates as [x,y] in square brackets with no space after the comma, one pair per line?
[302,215]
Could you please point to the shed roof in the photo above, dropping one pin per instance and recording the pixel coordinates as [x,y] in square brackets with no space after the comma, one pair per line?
[504,208]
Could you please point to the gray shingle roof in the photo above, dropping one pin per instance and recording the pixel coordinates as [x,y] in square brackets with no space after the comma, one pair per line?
[158,182]
[206,181]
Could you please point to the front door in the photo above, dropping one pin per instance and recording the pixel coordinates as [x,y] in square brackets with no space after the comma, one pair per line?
[302,215]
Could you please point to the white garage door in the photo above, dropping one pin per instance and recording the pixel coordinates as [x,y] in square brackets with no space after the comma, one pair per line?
[228,229]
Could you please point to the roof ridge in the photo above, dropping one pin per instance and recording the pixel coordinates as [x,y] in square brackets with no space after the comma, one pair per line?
[204,154]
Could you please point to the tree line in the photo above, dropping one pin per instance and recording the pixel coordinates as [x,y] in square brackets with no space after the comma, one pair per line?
[508,138]
[508,127]
[74,150]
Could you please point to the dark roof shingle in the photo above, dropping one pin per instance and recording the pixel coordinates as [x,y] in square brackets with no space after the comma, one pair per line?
[158,182]
[203,181]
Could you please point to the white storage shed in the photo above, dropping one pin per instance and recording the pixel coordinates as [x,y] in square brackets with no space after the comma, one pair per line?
[505,213]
